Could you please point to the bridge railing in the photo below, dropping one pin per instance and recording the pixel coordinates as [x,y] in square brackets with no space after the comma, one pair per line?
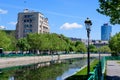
[99,70]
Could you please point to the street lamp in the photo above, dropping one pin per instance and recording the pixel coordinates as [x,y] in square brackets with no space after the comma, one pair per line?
[88,23]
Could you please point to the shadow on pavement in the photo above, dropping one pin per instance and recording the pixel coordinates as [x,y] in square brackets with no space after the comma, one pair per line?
[112,77]
[77,77]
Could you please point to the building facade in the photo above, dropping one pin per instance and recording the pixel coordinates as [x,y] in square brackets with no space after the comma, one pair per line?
[31,22]
[97,43]
[106,32]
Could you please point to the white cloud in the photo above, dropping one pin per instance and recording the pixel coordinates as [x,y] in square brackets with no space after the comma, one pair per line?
[2,27]
[3,11]
[67,26]
[13,23]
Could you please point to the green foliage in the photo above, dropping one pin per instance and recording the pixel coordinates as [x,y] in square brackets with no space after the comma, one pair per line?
[51,42]
[104,49]
[110,8]
[23,44]
[5,41]
[80,47]
[40,42]
[54,42]
[41,73]
[84,70]
[114,44]
[82,74]
[92,48]
[13,44]
[34,40]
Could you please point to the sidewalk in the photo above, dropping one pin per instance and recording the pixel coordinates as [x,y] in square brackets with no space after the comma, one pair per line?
[113,70]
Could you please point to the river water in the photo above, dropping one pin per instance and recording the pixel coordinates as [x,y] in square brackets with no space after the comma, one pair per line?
[57,72]
[68,73]
[73,68]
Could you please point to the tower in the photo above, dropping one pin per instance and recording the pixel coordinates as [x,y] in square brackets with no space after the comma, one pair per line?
[106,32]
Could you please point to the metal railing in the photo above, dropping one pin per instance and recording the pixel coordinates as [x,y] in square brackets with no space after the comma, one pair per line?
[99,69]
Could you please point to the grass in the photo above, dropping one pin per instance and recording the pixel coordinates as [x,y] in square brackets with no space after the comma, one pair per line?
[82,74]
[84,70]
[118,62]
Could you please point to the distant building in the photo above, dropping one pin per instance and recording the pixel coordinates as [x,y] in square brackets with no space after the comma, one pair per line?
[97,43]
[106,32]
[31,22]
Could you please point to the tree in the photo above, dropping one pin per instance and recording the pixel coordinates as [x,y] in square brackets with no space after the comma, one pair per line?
[35,41]
[92,48]
[80,47]
[104,49]
[13,44]
[23,44]
[114,44]
[5,41]
[56,42]
[110,8]
[67,42]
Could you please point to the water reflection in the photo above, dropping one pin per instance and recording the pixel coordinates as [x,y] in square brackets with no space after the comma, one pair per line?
[68,73]
[11,78]
[58,71]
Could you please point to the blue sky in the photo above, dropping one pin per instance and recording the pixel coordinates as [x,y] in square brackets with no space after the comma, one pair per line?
[65,16]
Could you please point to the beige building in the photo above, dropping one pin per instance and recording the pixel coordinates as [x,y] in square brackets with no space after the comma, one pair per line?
[31,22]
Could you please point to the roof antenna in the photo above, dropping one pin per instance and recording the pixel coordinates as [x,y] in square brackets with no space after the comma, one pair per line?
[25,5]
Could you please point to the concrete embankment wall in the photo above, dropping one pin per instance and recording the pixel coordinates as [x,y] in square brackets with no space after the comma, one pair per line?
[17,61]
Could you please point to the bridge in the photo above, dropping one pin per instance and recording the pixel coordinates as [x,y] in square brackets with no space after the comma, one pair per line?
[26,60]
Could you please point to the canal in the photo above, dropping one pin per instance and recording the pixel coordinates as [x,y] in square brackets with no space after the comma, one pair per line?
[52,72]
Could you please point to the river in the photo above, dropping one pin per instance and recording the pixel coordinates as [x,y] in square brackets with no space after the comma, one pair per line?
[52,72]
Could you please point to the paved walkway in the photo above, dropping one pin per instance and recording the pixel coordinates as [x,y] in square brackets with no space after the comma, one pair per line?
[113,70]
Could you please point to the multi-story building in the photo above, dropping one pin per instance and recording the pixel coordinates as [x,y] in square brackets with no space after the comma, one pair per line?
[31,22]
[106,32]
[97,43]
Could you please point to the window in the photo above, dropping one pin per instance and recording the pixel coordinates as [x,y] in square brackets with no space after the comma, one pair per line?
[28,16]
[27,20]
[27,30]
[25,16]
[30,30]
[28,26]
[24,20]
[30,20]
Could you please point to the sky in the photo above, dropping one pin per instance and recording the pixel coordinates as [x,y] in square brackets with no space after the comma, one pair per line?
[65,16]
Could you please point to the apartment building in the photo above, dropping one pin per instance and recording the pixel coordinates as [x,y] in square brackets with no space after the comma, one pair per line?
[31,22]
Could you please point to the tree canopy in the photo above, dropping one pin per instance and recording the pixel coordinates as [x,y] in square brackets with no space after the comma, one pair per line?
[110,8]
[5,41]
[92,48]
[114,43]
[80,47]
[23,44]
[51,42]
[104,49]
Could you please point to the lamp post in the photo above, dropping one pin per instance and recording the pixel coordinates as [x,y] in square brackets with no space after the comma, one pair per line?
[88,23]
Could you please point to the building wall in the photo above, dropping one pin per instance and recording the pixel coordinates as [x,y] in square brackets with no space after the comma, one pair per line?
[106,32]
[31,22]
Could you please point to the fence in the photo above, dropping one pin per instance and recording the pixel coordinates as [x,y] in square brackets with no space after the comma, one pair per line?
[99,70]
